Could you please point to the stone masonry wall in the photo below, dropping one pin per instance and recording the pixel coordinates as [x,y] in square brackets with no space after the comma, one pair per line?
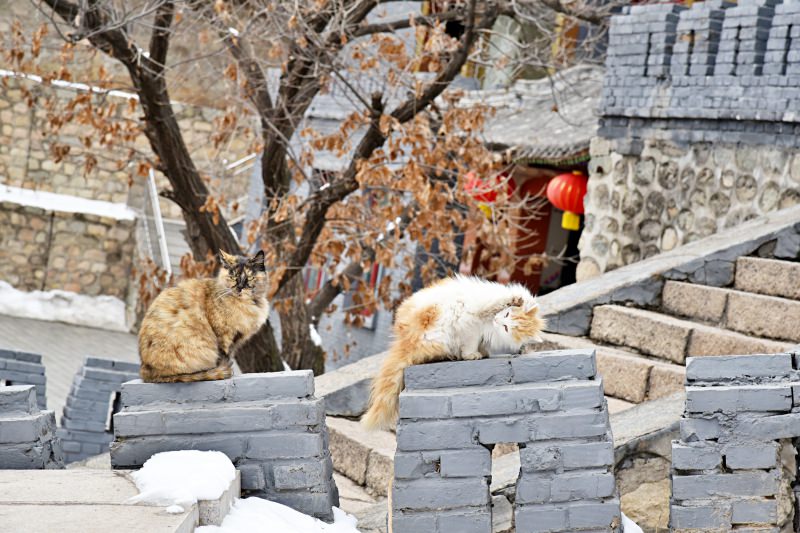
[27,435]
[270,426]
[25,142]
[23,368]
[734,466]
[699,127]
[453,413]
[93,398]
[44,250]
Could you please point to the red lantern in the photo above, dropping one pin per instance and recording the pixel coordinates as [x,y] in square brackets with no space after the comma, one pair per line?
[566,192]
[486,192]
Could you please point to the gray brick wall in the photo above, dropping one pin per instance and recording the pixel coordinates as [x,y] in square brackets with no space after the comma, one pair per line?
[729,468]
[270,425]
[85,425]
[27,435]
[23,368]
[716,61]
[453,413]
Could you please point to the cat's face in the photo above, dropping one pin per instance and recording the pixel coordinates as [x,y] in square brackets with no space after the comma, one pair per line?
[245,276]
[519,324]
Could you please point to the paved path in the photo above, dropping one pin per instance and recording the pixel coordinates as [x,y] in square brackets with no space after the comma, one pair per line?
[63,348]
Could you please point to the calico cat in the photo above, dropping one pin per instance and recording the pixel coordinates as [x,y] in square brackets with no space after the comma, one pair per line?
[190,331]
[456,318]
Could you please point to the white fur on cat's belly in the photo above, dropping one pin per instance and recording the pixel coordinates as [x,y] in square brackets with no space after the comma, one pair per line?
[461,325]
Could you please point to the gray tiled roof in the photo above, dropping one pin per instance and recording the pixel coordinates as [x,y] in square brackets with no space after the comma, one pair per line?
[546,121]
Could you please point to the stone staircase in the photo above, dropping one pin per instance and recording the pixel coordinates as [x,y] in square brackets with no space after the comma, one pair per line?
[641,352]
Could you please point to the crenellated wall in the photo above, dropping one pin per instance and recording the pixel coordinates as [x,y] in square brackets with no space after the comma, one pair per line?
[700,127]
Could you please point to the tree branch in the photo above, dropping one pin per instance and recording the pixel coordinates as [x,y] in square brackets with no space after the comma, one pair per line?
[159,40]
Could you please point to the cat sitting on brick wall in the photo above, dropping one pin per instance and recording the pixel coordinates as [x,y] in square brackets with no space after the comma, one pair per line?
[190,331]
[456,318]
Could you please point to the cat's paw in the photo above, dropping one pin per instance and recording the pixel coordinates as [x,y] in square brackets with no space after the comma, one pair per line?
[472,356]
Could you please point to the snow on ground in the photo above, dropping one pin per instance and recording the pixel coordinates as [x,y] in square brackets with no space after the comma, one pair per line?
[65,203]
[103,312]
[181,478]
[629,526]
[255,515]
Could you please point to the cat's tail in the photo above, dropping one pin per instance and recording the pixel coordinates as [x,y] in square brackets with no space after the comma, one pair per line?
[223,371]
[386,388]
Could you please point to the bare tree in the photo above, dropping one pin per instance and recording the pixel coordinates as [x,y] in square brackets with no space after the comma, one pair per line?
[406,143]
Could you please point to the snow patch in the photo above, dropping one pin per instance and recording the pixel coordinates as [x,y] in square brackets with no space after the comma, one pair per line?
[181,478]
[255,515]
[629,526]
[103,312]
[315,338]
[65,203]
[67,84]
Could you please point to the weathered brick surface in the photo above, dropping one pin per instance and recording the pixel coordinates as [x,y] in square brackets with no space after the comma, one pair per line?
[550,403]
[269,425]
[727,468]
[23,368]
[94,396]
[27,435]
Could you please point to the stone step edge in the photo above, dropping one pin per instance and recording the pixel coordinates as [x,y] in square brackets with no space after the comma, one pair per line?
[657,378]
[692,326]
[722,321]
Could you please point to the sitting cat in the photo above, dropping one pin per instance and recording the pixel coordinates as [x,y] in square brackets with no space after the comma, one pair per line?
[190,331]
[455,318]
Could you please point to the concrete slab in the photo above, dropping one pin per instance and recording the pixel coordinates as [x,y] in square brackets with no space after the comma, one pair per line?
[90,498]
[94,518]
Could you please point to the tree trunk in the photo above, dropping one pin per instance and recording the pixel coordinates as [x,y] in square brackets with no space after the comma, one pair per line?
[260,353]
[297,347]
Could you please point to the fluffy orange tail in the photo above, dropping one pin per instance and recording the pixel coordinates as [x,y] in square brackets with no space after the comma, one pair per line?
[386,388]
[223,371]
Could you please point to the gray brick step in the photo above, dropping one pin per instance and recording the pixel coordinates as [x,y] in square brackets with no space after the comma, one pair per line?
[735,310]
[671,338]
[627,375]
[768,276]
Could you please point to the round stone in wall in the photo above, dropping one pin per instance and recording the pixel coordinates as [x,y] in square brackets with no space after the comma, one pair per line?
[789,198]
[705,226]
[588,222]
[705,177]
[773,161]
[609,225]
[587,269]
[669,239]
[685,220]
[600,195]
[769,196]
[747,157]
[644,171]
[614,202]
[728,179]
[794,168]
[672,208]
[614,248]
[600,245]
[650,250]
[650,230]
[698,198]
[620,175]
[687,178]
[701,153]
[668,175]
[630,254]
[746,187]
[655,203]
[720,203]
[632,203]
[723,155]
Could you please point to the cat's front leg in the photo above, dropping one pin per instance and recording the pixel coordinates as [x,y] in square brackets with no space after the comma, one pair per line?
[471,349]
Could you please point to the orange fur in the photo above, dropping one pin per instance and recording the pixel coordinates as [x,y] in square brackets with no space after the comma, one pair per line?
[408,349]
[190,331]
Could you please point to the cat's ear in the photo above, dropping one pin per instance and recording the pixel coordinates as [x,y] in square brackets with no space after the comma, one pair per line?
[257,261]
[530,306]
[227,259]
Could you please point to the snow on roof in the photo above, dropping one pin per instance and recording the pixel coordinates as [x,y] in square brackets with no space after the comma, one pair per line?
[65,203]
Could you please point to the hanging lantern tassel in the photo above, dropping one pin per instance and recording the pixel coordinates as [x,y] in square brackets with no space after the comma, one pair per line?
[487,210]
[566,192]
